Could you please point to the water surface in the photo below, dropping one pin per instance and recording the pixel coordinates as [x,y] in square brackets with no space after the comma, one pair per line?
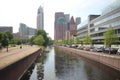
[58,65]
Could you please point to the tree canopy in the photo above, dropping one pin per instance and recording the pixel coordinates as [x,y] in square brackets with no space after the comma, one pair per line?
[45,37]
[110,37]
[9,35]
[77,40]
[70,41]
[87,39]
[39,40]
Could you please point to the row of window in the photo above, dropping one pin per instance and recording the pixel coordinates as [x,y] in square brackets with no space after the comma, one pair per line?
[108,18]
[117,31]
[83,24]
[117,23]
[113,6]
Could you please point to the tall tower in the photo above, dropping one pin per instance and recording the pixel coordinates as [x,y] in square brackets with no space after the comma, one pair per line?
[40,18]
[60,27]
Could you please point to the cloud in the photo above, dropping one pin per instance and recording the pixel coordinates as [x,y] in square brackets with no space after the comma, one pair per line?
[13,12]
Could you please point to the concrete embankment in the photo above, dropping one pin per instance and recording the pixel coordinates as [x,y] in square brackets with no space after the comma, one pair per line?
[112,61]
[13,65]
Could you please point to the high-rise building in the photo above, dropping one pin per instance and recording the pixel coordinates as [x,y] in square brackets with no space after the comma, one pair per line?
[78,20]
[40,18]
[25,31]
[60,24]
[72,30]
[72,24]
[6,28]
[64,27]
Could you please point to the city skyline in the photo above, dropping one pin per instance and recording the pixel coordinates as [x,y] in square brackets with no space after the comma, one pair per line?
[24,11]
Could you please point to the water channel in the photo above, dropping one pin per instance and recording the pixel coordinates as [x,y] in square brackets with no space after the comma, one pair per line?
[57,65]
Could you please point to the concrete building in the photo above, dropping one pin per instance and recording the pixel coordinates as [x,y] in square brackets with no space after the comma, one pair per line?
[97,25]
[72,31]
[64,26]
[82,29]
[31,32]
[61,26]
[6,28]
[40,18]
[25,31]
[78,20]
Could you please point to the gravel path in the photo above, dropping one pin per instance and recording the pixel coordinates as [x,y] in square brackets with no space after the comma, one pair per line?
[15,54]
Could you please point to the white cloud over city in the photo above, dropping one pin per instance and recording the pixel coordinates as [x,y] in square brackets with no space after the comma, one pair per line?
[13,12]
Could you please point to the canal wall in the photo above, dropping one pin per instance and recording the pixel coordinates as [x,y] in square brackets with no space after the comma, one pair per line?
[112,61]
[15,70]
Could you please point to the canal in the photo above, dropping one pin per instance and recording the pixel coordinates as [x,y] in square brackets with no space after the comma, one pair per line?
[57,65]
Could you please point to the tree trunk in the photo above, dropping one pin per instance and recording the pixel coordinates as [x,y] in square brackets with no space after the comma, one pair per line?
[7,48]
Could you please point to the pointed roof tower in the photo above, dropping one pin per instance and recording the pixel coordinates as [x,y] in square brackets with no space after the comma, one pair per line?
[72,21]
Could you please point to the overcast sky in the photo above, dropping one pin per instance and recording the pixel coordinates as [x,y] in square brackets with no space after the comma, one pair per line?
[13,12]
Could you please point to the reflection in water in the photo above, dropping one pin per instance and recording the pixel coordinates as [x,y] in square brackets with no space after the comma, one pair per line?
[49,66]
[57,65]
[69,67]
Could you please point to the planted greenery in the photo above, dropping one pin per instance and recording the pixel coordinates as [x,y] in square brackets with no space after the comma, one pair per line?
[87,39]
[110,37]
[41,38]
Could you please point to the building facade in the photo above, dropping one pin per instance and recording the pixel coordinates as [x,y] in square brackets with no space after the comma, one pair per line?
[6,28]
[40,18]
[61,26]
[72,31]
[25,31]
[64,26]
[97,25]
[78,20]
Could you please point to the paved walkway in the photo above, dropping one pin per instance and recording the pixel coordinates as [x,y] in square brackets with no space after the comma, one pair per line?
[14,54]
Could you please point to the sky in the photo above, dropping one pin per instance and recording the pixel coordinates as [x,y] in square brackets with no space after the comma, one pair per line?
[13,12]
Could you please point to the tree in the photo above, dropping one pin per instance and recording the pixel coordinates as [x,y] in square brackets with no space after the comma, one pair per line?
[0,41]
[32,40]
[70,41]
[5,40]
[44,34]
[0,37]
[9,35]
[87,39]
[39,40]
[77,40]
[110,37]
[50,41]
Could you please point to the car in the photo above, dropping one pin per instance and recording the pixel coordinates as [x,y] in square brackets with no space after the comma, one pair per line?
[118,51]
[100,49]
[110,50]
[86,48]
[81,47]
[73,46]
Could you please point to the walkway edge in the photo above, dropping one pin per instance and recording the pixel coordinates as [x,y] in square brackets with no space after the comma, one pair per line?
[109,60]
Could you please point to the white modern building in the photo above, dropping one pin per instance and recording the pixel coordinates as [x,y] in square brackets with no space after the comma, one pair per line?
[40,18]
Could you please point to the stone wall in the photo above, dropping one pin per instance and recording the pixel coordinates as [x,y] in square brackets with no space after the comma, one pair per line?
[112,61]
[17,69]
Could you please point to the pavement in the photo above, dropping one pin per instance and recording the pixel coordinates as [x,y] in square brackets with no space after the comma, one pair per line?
[14,54]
